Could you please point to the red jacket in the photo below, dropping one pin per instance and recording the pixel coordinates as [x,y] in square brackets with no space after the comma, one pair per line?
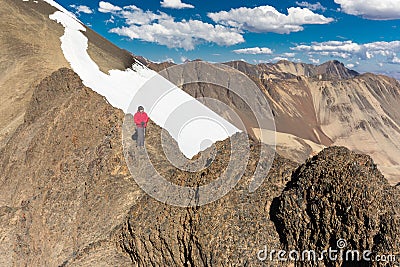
[139,118]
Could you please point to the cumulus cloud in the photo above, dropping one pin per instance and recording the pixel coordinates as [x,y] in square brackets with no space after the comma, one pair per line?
[82,9]
[176,4]
[162,29]
[268,19]
[313,7]
[253,50]
[106,7]
[136,16]
[349,49]
[181,34]
[371,9]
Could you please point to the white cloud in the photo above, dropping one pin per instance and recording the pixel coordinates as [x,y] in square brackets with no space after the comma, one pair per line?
[110,20]
[371,9]
[183,59]
[169,60]
[314,60]
[176,4]
[162,29]
[136,16]
[268,19]
[349,49]
[182,34]
[350,65]
[396,60]
[342,49]
[289,54]
[253,50]
[82,9]
[106,7]
[280,58]
[313,7]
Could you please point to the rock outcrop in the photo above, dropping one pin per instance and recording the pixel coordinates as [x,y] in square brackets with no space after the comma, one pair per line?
[336,195]
[227,232]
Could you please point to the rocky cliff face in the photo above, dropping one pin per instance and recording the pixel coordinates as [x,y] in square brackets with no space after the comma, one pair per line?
[68,199]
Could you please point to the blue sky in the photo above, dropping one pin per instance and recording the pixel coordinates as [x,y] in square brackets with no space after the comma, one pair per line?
[363,34]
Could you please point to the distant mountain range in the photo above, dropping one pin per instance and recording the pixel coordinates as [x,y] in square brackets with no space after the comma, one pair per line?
[324,105]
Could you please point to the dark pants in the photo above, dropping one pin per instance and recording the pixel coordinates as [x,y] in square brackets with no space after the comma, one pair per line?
[140,136]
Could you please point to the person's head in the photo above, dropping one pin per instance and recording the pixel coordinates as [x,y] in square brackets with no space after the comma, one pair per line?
[140,109]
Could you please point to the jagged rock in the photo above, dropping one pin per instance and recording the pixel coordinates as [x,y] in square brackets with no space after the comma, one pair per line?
[227,232]
[52,92]
[338,194]
[334,70]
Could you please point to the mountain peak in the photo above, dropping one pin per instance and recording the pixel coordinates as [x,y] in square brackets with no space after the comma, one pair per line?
[334,69]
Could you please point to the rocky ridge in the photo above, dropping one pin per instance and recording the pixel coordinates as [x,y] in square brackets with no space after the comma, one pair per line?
[68,198]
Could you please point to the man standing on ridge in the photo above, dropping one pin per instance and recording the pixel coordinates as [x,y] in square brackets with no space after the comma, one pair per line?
[141,120]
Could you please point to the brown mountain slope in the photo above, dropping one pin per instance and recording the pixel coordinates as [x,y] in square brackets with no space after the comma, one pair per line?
[331,105]
[30,50]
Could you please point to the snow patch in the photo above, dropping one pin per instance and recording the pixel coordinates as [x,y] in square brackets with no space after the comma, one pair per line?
[188,121]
